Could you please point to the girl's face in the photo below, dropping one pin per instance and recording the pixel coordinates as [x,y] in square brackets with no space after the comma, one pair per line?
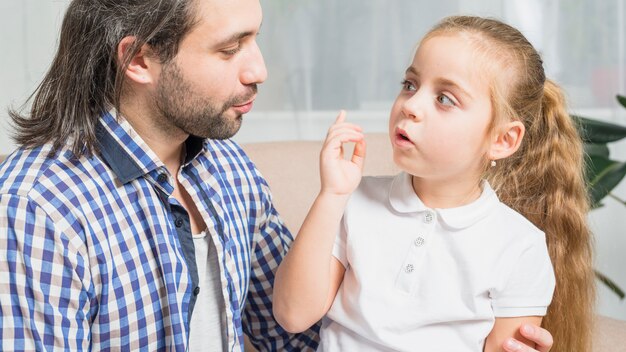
[439,122]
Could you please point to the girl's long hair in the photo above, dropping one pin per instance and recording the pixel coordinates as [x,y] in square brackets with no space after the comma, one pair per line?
[544,180]
[86,78]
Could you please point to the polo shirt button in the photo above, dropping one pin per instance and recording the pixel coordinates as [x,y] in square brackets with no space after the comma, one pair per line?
[196,291]
[162,178]
[409,268]
[178,222]
[428,217]
[419,241]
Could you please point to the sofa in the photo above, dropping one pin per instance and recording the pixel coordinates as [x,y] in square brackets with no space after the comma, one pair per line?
[291,169]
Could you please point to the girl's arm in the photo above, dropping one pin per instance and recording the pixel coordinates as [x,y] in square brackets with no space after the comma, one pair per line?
[308,278]
[505,328]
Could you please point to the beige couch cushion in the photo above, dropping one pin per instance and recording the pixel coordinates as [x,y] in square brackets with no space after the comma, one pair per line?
[609,335]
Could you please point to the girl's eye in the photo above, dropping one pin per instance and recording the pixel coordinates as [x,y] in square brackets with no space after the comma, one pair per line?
[444,100]
[407,85]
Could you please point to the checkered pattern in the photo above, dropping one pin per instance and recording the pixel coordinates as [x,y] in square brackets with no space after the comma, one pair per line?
[90,258]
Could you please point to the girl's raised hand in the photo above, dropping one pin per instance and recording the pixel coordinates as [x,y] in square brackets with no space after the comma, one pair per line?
[341,176]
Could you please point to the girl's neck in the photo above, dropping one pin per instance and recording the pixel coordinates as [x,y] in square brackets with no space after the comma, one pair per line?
[447,193]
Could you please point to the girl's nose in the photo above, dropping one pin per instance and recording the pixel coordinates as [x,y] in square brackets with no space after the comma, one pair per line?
[413,107]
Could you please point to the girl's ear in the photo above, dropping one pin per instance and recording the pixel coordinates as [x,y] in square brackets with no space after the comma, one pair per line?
[142,68]
[507,140]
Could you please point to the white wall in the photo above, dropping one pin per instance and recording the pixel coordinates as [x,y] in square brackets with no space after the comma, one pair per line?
[29,29]
[28,37]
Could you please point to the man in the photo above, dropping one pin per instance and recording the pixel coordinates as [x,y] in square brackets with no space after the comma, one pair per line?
[128,219]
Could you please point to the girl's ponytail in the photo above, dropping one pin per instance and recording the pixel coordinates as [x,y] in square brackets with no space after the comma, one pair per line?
[569,239]
[545,182]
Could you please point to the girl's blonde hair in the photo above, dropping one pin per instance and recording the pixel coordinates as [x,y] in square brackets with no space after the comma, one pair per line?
[544,180]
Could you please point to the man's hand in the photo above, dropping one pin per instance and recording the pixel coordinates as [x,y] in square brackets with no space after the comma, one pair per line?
[541,337]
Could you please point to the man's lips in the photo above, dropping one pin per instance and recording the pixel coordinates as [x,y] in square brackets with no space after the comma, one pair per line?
[245,107]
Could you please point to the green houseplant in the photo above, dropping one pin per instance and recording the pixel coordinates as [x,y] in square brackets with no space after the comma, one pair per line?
[603,173]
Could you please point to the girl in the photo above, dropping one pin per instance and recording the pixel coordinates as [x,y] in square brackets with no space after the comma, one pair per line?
[432,259]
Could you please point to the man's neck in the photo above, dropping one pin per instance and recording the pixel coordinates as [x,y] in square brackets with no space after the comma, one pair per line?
[166,143]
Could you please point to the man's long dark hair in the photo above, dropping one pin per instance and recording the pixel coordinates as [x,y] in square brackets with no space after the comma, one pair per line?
[86,78]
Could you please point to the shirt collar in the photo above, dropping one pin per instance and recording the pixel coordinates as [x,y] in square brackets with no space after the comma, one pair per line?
[403,199]
[126,152]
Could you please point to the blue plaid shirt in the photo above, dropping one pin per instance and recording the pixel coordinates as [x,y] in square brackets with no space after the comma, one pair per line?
[94,251]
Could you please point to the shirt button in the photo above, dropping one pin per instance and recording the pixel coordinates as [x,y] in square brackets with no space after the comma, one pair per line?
[419,241]
[196,291]
[409,268]
[178,222]
[428,217]
[162,178]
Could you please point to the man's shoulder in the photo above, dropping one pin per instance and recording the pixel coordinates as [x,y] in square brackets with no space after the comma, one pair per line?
[225,147]
[22,169]
[228,156]
[27,169]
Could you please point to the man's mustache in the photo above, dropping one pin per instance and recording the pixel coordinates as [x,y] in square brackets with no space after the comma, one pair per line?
[246,98]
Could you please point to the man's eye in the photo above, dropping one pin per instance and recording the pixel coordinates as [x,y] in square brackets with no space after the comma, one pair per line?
[444,100]
[407,85]
[232,51]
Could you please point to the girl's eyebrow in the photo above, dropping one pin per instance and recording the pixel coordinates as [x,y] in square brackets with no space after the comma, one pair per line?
[454,86]
[445,82]
[412,70]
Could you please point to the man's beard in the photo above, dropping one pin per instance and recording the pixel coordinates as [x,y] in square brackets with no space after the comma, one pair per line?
[180,105]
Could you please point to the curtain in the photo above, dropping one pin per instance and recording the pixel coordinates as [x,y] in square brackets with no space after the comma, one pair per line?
[326,55]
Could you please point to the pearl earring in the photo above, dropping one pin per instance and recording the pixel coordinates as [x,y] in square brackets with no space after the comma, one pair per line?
[493,163]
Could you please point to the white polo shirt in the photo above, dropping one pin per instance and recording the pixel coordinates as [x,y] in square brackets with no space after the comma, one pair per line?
[421,279]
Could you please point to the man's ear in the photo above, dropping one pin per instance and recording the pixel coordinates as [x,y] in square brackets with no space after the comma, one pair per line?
[507,140]
[142,68]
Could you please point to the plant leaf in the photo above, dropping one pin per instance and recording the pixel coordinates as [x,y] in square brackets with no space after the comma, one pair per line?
[597,206]
[617,199]
[597,132]
[610,284]
[593,149]
[603,175]
[621,99]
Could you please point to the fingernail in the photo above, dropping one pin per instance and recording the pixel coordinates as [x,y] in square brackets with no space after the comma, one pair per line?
[513,345]
[528,329]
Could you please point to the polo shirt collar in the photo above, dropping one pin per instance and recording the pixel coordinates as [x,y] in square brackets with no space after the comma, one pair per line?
[403,199]
[127,153]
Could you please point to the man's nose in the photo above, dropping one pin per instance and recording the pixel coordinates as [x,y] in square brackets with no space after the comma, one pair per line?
[254,71]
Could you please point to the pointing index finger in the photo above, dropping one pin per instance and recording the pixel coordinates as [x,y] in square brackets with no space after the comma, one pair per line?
[341,117]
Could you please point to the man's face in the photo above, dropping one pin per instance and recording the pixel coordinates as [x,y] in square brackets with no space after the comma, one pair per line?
[212,81]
